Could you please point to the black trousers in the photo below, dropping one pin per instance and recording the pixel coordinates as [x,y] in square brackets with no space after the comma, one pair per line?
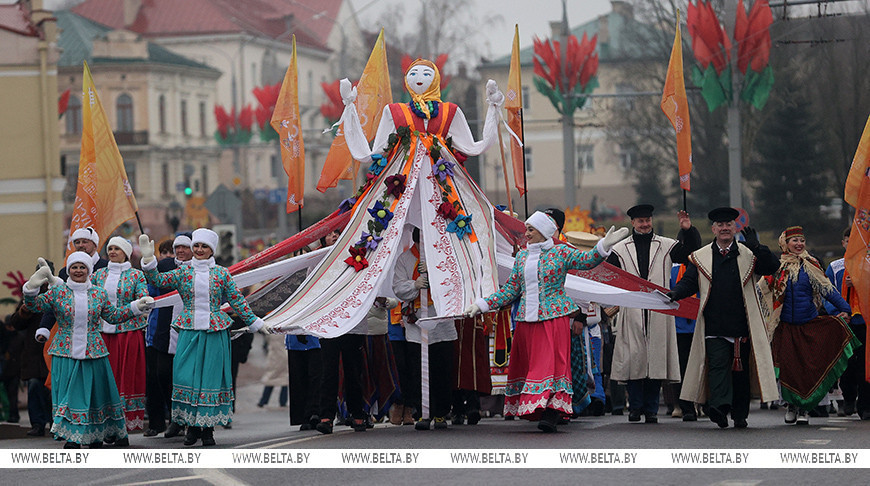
[852,382]
[406,381]
[306,371]
[643,395]
[684,345]
[349,348]
[465,401]
[441,378]
[729,389]
[158,387]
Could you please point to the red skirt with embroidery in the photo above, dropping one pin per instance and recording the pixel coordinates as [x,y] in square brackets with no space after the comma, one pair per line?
[127,359]
[539,374]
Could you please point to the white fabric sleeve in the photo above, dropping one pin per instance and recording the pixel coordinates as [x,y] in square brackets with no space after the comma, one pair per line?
[44,332]
[463,139]
[356,138]
[479,302]
[403,283]
[600,248]
[152,265]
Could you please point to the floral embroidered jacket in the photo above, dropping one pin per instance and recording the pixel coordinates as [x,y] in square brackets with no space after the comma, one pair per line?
[538,280]
[202,301]
[129,285]
[76,337]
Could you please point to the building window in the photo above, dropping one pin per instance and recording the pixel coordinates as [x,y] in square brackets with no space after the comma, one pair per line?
[124,108]
[205,179]
[202,119]
[74,116]
[527,154]
[626,102]
[527,94]
[161,112]
[184,117]
[164,173]
[626,158]
[585,158]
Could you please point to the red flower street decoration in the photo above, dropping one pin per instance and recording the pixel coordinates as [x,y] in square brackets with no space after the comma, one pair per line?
[267,96]
[555,78]
[712,49]
[232,129]
[395,185]
[15,282]
[63,103]
[357,258]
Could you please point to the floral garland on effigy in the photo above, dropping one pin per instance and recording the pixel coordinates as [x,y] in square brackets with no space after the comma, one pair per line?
[450,207]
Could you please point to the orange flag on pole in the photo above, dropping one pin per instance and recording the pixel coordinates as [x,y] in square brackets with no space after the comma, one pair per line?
[676,108]
[857,194]
[104,198]
[285,121]
[373,94]
[514,106]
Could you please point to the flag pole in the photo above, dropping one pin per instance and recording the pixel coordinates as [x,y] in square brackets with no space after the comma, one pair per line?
[507,187]
[684,201]
[525,186]
[138,220]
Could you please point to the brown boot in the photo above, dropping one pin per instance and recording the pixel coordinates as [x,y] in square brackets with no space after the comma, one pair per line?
[408,416]
[396,414]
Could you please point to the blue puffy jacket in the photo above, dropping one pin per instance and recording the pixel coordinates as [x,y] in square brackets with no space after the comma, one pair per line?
[798,306]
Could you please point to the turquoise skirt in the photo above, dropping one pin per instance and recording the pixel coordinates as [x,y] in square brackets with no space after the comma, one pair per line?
[202,391]
[86,407]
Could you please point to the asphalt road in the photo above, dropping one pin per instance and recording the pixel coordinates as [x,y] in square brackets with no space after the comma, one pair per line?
[268,429]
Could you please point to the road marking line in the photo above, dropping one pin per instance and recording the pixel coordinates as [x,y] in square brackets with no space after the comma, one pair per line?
[814,441]
[220,478]
[167,480]
[832,428]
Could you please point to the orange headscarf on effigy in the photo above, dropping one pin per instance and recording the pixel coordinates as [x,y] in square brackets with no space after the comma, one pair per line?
[433,93]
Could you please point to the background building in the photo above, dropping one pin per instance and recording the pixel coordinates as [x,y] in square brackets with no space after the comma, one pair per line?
[31,208]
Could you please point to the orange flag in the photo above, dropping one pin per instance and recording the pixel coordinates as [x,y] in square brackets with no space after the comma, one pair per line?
[373,94]
[676,108]
[514,106]
[285,121]
[104,198]
[857,194]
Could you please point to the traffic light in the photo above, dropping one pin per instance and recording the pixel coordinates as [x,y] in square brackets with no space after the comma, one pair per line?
[188,190]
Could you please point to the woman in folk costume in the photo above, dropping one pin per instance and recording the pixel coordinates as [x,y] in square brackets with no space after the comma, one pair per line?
[125,342]
[539,374]
[202,392]
[85,403]
[810,351]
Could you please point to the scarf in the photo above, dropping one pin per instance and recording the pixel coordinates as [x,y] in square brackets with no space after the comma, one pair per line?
[789,269]
[201,291]
[81,294]
[113,278]
[530,274]
[433,93]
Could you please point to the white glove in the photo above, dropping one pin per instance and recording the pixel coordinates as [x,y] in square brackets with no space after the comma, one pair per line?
[422,282]
[612,238]
[42,335]
[493,95]
[145,304]
[472,310]
[41,276]
[347,90]
[54,281]
[257,325]
[146,246]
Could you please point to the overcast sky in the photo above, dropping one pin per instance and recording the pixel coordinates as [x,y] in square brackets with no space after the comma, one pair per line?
[533,17]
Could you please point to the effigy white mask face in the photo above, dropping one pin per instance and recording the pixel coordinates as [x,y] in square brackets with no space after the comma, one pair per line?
[419,78]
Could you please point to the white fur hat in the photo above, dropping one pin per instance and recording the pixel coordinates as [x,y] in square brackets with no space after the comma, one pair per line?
[87,233]
[182,240]
[80,257]
[207,236]
[543,223]
[122,243]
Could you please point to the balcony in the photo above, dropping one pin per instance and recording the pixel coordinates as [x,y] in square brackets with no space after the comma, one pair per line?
[131,138]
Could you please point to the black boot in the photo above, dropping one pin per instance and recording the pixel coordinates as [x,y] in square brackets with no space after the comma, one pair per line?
[193,435]
[174,430]
[208,436]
